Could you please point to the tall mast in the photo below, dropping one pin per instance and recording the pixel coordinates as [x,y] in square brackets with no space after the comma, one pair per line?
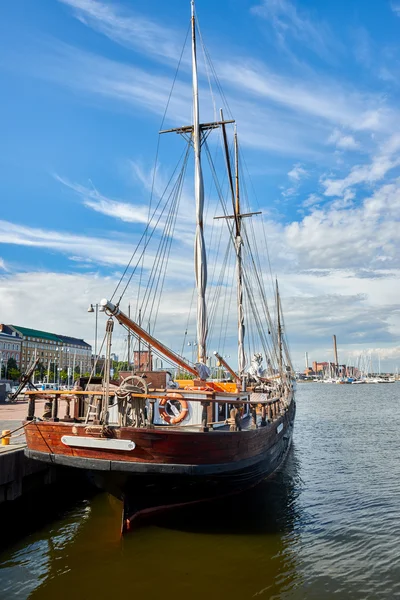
[129,339]
[238,247]
[336,356]
[278,312]
[200,258]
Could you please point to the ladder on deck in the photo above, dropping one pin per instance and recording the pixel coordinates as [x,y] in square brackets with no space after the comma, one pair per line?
[91,412]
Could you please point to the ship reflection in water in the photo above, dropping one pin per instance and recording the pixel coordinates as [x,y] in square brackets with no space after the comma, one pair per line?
[236,547]
[326,526]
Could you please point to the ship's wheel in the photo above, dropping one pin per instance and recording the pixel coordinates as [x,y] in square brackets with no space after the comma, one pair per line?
[132,411]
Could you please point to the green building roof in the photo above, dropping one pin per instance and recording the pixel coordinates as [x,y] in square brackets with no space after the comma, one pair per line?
[37,333]
[63,339]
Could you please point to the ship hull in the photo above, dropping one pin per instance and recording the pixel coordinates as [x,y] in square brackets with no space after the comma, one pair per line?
[168,467]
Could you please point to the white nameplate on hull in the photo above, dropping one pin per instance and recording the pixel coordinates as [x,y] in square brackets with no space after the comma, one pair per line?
[101,443]
[279,428]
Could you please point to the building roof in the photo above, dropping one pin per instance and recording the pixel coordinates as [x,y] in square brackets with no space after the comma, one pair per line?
[9,336]
[71,340]
[27,332]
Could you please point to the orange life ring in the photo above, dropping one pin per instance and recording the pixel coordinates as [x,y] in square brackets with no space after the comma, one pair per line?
[163,412]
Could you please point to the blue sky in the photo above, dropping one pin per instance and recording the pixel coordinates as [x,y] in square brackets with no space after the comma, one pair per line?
[314,89]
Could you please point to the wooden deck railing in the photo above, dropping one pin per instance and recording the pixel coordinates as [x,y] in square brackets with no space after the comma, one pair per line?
[271,408]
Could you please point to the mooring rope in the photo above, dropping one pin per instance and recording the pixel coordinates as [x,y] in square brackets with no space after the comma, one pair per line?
[14,430]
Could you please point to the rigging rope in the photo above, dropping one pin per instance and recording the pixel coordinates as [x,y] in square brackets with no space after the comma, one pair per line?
[156,157]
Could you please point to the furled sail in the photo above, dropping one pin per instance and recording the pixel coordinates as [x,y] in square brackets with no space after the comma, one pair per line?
[200,258]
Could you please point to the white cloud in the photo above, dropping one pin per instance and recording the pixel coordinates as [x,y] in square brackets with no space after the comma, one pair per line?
[352,318]
[343,141]
[308,95]
[338,236]
[108,79]
[362,310]
[380,165]
[130,213]
[297,173]
[157,216]
[311,95]
[64,310]
[311,200]
[121,86]
[127,28]
[291,24]
[101,250]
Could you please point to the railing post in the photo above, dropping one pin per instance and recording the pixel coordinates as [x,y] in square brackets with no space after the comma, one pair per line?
[263,416]
[54,409]
[253,409]
[31,408]
[270,414]
[150,416]
[67,416]
[234,419]
[96,421]
[204,416]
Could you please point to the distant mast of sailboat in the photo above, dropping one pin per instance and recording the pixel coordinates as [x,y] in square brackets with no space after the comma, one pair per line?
[336,356]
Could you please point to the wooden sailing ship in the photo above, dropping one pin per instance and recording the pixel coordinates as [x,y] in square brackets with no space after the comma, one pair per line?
[157,446]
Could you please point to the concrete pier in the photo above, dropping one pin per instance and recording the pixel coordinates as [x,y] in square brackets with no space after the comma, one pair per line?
[19,475]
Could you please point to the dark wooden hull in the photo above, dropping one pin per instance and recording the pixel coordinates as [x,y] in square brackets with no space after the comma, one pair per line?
[145,495]
[169,466]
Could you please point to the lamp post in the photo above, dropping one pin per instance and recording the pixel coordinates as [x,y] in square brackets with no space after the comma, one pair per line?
[73,367]
[69,367]
[96,308]
[193,345]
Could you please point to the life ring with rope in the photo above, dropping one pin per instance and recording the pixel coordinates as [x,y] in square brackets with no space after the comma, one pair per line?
[169,401]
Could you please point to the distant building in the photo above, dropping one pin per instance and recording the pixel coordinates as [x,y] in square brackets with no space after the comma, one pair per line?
[10,346]
[323,367]
[146,361]
[330,369]
[99,361]
[53,350]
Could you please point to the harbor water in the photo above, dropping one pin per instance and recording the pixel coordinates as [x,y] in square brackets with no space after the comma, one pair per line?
[326,526]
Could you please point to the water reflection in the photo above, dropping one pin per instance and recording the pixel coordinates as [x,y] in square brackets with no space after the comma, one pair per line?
[241,546]
[270,507]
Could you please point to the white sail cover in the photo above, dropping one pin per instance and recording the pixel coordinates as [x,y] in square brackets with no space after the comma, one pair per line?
[202,369]
[200,258]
